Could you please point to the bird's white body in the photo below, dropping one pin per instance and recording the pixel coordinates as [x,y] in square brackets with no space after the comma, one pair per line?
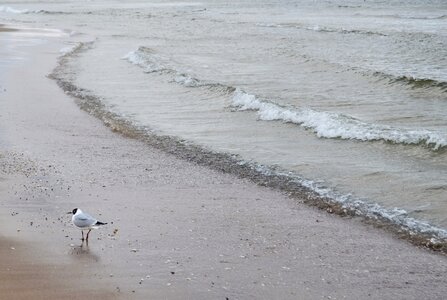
[84,221]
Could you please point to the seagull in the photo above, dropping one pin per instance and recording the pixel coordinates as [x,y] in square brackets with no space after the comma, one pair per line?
[84,221]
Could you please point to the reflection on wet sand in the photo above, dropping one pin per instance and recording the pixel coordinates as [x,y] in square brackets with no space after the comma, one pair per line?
[7,29]
[83,252]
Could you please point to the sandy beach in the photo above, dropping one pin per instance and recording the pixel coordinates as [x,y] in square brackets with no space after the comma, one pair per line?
[175,230]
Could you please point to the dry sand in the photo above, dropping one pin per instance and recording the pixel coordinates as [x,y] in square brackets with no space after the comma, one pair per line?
[176,230]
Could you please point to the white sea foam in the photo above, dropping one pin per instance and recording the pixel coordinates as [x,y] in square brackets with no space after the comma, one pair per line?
[333,125]
[73,33]
[187,80]
[143,58]
[11,10]
[394,215]
[319,28]
[69,50]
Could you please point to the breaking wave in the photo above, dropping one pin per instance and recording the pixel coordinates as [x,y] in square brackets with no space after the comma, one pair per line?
[11,10]
[324,124]
[319,28]
[333,125]
[66,51]
[412,81]
[394,215]
[151,62]
[410,17]
[147,59]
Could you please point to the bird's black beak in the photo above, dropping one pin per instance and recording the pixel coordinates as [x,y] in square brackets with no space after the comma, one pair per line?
[70,213]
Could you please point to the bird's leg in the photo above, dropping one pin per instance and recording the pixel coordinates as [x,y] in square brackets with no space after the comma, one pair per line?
[82,231]
[88,234]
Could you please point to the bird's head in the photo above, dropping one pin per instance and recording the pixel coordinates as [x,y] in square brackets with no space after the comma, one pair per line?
[73,211]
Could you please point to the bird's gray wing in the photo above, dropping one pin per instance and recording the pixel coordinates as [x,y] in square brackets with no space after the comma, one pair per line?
[84,220]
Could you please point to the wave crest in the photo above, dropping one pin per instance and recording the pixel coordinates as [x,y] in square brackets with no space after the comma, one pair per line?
[319,28]
[151,62]
[414,82]
[70,50]
[11,10]
[147,59]
[333,125]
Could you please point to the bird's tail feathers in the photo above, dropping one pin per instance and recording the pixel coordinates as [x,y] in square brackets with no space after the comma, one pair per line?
[100,223]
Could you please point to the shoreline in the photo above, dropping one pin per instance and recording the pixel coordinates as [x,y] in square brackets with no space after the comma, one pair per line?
[261,175]
[177,229]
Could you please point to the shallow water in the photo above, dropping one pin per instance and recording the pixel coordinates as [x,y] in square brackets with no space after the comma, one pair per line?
[350,96]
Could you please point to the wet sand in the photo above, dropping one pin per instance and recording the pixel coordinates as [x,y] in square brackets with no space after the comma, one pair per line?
[5,29]
[24,275]
[176,230]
